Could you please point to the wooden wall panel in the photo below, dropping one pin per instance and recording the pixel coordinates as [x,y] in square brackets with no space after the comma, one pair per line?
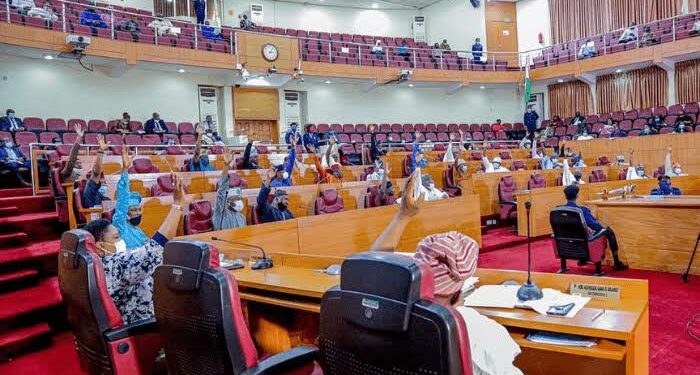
[255,104]
[250,45]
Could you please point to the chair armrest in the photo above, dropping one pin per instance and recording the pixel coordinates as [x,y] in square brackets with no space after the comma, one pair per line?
[596,235]
[135,329]
[509,202]
[91,210]
[285,361]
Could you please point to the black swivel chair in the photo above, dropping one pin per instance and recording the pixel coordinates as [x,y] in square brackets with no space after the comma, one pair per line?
[573,239]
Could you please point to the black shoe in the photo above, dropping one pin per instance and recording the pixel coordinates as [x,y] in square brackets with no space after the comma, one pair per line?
[619,266]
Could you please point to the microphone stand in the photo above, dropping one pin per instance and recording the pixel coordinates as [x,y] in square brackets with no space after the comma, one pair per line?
[262,264]
[529,291]
[692,257]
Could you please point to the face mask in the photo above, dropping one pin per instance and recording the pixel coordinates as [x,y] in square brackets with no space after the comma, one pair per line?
[135,221]
[204,160]
[496,165]
[125,121]
[681,126]
[77,172]
[677,170]
[11,115]
[281,206]
[665,186]
[463,168]
[529,111]
[423,163]
[120,246]
[640,172]
[285,175]
[102,191]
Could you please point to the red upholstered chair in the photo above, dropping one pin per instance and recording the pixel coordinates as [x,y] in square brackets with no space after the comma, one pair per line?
[622,174]
[536,181]
[186,128]
[198,218]
[411,333]
[506,195]
[407,165]
[329,202]
[450,188]
[174,150]
[597,176]
[659,171]
[573,239]
[476,155]
[603,161]
[518,165]
[143,166]
[235,181]
[198,309]
[505,155]
[104,343]
[164,186]
[374,198]
[59,194]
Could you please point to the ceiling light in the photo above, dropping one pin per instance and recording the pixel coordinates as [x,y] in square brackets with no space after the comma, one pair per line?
[375,5]
[181,70]
[560,80]
[482,87]
[328,82]
[48,57]
[618,71]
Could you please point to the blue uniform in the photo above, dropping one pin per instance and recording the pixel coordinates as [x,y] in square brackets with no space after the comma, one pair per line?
[671,191]
[269,213]
[91,194]
[287,168]
[311,139]
[202,166]
[590,220]
[530,120]
[288,137]
[199,10]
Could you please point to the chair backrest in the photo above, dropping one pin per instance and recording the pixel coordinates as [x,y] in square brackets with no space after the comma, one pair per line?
[143,166]
[505,155]
[235,181]
[374,198]
[90,308]
[164,186]
[570,232]
[447,177]
[329,202]
[536,181]
[198,219]
[518,165]
[199,313]
[385,302]
[603,160]
[597,176]
[507,188]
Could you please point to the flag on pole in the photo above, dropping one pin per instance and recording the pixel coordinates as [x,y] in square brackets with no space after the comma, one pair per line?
[528,87]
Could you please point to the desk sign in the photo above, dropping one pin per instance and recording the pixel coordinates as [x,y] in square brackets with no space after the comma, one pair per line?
[598,291]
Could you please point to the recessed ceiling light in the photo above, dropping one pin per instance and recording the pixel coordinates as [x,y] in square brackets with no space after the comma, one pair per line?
[560,80]
[181,70]
[410,85]
[328,82]
[375,5]
[482,87]
[618,71]
[48,57]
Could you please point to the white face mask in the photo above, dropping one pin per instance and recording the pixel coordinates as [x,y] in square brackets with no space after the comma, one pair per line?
[496,165]
[380,172]
[285,175]
[431,186]
[11,115]
[238,206]
[120,246]
[677,170]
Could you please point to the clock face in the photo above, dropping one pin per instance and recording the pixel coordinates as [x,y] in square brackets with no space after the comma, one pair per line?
[270,52]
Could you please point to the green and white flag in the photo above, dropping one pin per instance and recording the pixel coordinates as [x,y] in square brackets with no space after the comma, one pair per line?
[528,87]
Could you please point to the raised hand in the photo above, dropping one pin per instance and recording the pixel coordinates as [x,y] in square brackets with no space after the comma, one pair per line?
[79,131]
[269,175]
[179,196]
[101,143]
[670,148]
[410,206]
[199,131]
[228,158]
[126,158]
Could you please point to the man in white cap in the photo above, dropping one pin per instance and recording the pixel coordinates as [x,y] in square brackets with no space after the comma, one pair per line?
[452,257]
[493,166]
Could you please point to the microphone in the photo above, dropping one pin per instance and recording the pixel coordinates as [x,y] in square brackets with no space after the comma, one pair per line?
[262,264]
[529,291]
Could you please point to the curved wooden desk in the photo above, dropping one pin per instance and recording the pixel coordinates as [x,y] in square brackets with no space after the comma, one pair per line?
[655,233]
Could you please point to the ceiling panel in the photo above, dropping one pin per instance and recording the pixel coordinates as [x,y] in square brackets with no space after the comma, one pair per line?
[369,4]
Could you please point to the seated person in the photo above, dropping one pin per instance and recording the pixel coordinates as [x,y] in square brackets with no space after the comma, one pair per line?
[584,136]
[90,17]
[228,211]
[293,132]
[73,169]
[665,187]
[379,171]
[647,130]
[200,159]
[498,126]
[617,132]
[283,172]
[95,192]
[11,123]
[429,190]
[550,162]
[245,23]
[250,157]
[569,178]
[418,159]
[163,26]
[22,6]
[377,50]
[331,174]
[123,125]
[648,37]
[571,194]
[436,52]
[620,161]
[278,209]
[128,256]
[578,120]
[477,54]
[674,169]
[683,124]
[526,142]
[610,125]
[130,26]
[657,122]
[460,175]
[495,166]
[587,50]
[629,35]
[155,125]
[310,139]
[212,138]
[444,45]
[695,30]
[208,123]
[577,162]
[45,13]
[12,159]
[212,33]
[402,50]
[452,257]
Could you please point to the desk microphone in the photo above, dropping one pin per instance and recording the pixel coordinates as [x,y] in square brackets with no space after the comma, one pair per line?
[262,264]
[529,291]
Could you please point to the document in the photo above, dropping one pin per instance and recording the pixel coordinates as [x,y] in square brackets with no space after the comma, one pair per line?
[505,296]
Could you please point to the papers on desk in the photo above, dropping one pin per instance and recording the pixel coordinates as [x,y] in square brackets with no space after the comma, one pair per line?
[553,338]
[505,296]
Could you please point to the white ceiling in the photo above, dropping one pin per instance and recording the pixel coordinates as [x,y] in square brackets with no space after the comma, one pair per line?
[368,4]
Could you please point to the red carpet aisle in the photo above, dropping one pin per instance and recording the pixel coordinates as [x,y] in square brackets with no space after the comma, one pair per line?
[672,303]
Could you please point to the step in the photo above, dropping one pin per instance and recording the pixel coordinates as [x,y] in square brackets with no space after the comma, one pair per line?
[43,296]
[39,226]
[30,204]
[8,239]
[32,252]
[9,211]
[19,192]
[28,218]
[17,276]
[24,335]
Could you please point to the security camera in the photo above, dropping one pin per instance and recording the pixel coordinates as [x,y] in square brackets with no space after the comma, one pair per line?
[78,42]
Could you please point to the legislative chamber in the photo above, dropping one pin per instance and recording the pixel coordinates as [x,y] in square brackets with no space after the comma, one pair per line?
[365,187]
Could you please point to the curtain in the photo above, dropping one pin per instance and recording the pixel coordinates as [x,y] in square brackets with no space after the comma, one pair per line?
[636,89]
[576,19]
[693,6]
[568,97]
[687,78]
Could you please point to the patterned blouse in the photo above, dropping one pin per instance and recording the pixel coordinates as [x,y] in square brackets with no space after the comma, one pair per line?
[129,277]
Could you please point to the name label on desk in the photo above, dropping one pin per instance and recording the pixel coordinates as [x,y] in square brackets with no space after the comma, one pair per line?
[599,291]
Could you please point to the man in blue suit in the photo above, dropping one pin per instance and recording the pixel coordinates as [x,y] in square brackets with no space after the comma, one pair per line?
[155,125]
[11,123]
[289,136]
[571,193]
[311,141]
[13,160]
[199,10]
[665,187]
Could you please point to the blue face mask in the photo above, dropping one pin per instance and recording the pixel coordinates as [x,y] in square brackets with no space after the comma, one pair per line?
[204,160]
[423,163]
[102,190]
[665,187]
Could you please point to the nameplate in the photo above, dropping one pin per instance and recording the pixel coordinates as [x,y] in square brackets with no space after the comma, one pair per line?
[597,291]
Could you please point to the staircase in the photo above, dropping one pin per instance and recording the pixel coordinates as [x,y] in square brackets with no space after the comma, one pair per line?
[30,302]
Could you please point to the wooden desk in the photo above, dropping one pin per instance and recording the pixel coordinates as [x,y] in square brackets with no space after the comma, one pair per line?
[654,233]
[283,303]
[545,199]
